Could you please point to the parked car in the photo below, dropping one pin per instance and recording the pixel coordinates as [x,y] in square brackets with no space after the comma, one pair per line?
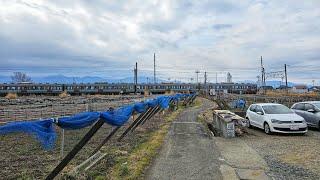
[275,118]
[310,111]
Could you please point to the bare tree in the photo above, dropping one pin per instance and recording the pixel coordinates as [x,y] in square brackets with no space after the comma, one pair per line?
[19,77]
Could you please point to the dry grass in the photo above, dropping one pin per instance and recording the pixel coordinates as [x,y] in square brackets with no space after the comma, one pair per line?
[291,94]
[64,94]
[11,96]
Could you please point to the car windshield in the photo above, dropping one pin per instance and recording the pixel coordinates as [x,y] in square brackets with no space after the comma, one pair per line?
[317,104]
[276,109]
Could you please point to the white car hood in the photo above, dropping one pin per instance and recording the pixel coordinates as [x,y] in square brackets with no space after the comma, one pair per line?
[285,117]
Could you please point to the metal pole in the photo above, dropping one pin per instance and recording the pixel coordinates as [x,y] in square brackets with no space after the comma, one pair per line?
[62,144]
[113,131]
[286,75]
[154,68]
[75,150]
[151,115]
[143,118]
[134,123]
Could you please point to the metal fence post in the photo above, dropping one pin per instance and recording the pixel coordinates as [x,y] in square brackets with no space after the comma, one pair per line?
[62,144]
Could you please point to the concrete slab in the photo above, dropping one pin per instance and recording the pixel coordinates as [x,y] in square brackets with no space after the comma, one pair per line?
[228,173]
[188,152]
[249,174]
[238,154]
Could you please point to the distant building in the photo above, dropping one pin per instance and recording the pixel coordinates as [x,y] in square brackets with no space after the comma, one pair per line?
[229,78]
[299,89]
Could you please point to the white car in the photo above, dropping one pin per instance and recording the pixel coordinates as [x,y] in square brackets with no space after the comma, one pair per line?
[275,118]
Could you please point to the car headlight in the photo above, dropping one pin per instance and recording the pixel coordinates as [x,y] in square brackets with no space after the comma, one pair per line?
[276,121]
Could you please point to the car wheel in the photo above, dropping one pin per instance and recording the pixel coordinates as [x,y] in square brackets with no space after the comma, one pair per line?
[249,124]
[267,128]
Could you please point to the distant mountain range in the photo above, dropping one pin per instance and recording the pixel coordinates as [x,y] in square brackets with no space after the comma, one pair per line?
[86,79]
[92,79]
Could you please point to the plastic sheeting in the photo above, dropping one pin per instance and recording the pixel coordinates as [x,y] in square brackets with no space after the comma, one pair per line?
[78,121]
[152,103]
[164,101]
[42,130]
[119,116]
[140,107]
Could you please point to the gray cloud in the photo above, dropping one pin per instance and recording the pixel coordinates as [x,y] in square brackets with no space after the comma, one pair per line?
[102,37]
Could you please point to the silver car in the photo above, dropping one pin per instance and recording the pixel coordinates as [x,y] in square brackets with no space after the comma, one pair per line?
[310,111]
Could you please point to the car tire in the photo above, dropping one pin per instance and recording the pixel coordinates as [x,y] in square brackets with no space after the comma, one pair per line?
[267,128]
[249,125]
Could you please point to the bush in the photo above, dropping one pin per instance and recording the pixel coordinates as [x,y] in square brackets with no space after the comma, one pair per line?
[11,96]
[64,94]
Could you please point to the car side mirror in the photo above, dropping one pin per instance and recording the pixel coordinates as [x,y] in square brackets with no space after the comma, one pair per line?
[311,110]
[260,113]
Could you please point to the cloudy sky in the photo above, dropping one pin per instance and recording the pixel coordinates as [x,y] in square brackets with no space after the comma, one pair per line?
[106,38]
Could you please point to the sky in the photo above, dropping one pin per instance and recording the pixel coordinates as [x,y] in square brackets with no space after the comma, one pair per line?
[106,38]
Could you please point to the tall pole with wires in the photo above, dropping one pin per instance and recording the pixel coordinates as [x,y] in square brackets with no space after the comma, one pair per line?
[135,78]
[197,72]
[154,68]
[205,83]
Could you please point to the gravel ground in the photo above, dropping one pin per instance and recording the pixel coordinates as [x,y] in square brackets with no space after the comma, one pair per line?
[288,156]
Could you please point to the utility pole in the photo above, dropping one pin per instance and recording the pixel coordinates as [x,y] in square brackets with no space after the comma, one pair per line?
[197,72]
[262,74]
[205,82]
[135,78]
[286,75]
[154,68]
[205,78]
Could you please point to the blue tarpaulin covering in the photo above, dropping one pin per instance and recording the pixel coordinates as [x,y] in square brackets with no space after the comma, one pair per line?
[78,121]
[140,107]
[164,101]
[119,116]
[152,103]
[42,130]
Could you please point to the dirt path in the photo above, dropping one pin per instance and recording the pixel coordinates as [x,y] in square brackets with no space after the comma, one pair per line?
[188,152]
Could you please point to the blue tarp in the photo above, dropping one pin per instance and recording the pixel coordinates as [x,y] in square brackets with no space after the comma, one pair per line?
[152,103]
[164,101]
[119,116]
[42,130]
[78,121]
[140,107]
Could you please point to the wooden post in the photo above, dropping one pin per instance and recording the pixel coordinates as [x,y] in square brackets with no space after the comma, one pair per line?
[75,150]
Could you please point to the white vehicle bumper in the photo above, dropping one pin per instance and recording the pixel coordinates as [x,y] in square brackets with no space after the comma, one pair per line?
[289,128]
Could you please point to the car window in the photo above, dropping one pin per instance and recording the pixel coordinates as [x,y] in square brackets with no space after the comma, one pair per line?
[299,106]
[259,109]
[317,104]
[309,106]
[277,109]
[253,108]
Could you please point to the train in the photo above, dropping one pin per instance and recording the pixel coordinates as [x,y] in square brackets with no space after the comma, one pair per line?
[122,88]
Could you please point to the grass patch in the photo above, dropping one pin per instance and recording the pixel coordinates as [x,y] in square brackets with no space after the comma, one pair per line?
[11,96]
[197,103]
[132,166]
